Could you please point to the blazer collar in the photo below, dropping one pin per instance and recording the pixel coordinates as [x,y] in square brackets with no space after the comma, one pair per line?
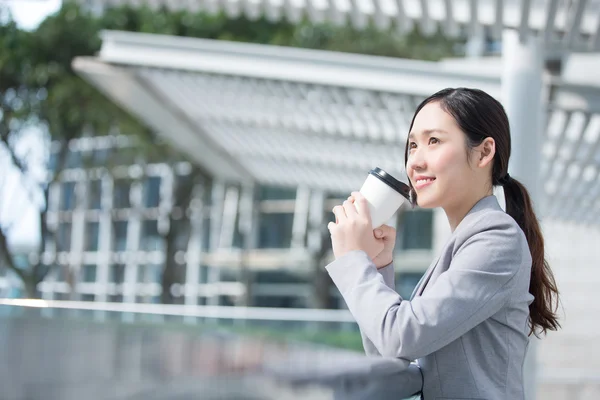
[483,205]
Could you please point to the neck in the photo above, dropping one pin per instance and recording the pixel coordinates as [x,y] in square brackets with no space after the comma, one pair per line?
[458,212]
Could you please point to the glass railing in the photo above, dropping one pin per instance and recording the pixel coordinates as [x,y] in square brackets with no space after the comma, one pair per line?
[87,350]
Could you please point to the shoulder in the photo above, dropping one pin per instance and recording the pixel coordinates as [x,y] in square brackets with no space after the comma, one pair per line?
[491,221]
[495,236]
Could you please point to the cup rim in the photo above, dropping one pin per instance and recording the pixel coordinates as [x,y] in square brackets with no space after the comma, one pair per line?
[392,182]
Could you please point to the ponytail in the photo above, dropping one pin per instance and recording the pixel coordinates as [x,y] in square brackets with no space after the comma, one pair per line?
[542,311]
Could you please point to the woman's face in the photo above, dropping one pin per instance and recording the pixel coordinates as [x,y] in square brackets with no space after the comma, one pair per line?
[438,163]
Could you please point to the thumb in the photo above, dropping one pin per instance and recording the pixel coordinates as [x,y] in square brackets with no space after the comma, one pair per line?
[383,231]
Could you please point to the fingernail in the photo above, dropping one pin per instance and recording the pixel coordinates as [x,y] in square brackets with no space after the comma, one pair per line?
[378,232]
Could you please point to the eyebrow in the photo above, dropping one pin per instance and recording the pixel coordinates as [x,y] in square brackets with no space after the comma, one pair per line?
[427,132]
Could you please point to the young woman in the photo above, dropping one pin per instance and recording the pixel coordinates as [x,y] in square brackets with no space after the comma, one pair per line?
[468,321]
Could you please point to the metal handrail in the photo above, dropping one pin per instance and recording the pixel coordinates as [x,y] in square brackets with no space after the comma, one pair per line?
[219,312]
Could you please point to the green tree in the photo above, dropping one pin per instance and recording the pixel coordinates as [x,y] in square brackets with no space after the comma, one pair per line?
[39,88]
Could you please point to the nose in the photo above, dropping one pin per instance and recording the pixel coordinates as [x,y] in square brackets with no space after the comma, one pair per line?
[416,160]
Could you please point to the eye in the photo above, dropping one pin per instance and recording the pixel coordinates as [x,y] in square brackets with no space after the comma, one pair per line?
[433,140]
[412,145]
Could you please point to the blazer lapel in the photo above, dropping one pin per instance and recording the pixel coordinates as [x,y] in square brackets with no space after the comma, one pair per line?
[486,202]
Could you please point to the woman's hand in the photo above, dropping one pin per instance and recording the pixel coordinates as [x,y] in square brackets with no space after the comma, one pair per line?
[388,235]
[352,229]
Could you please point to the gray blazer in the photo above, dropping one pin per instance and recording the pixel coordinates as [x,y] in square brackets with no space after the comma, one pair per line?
[466,323]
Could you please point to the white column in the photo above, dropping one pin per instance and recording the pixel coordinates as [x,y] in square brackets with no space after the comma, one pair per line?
[216,223]
[194,249]
[522,75]
[78,233]
[522,98]
[248,226]
[50,252]
[134,228]
[300,217]
[104,238]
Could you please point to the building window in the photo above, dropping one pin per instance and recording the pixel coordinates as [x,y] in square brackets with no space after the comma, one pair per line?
[275,230]
[91,236]
[416,230]
[120,235]
[276,193]
[150,239]
[152,192]
[73,159]
[95,194]
[100,157]
[88,273]
[67,196]
[117,273]
[406,283]
[150,273]
[121,194]
[63,237]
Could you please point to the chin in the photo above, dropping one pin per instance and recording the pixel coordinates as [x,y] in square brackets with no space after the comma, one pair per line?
[427,202]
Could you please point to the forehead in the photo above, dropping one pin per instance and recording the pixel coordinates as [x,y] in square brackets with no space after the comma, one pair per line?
[433,117]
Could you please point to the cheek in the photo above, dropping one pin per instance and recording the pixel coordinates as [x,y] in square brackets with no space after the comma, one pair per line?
[447,161]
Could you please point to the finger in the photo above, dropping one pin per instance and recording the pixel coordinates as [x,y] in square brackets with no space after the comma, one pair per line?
[386,232]
[361,205]
[340,214]
[350,209]
[378,233]
[331,226]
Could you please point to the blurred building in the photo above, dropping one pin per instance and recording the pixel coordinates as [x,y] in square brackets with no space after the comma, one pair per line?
[118,222]
[253,114]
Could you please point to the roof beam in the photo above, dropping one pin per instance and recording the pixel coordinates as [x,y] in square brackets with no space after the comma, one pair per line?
[280,63]
[125,89]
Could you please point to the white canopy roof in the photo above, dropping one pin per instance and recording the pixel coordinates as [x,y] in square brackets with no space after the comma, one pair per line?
[564,24]
[285,116]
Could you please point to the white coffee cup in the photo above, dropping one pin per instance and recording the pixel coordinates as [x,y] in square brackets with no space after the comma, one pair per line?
[385,194]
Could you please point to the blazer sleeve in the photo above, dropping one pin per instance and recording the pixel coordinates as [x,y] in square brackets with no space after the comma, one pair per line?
[476,285]
[387,273]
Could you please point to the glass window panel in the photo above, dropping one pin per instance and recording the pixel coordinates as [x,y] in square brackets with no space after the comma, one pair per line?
[73,159]
[115,298]
[150,273]
[121,194]
[276,193]
[88,273]
[275,230]
[52,161]
[117,273]
[88,297]
[95,194]
[119,235]
[150,239]
[67,196]
[100,157]
[417,230]
[91,236]
[152,192]
[280,301]
[63,237]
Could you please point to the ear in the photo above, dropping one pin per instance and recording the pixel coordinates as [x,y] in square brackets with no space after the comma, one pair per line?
[485,152]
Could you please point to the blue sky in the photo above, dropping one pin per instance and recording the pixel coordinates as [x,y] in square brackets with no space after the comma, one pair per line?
[29,13]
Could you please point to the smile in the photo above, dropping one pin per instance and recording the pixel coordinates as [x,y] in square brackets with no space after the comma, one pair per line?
[421,183]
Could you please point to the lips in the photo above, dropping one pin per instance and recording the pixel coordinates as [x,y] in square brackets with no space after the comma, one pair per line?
[423,181]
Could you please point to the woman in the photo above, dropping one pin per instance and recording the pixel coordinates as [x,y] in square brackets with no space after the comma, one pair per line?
[468,321]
